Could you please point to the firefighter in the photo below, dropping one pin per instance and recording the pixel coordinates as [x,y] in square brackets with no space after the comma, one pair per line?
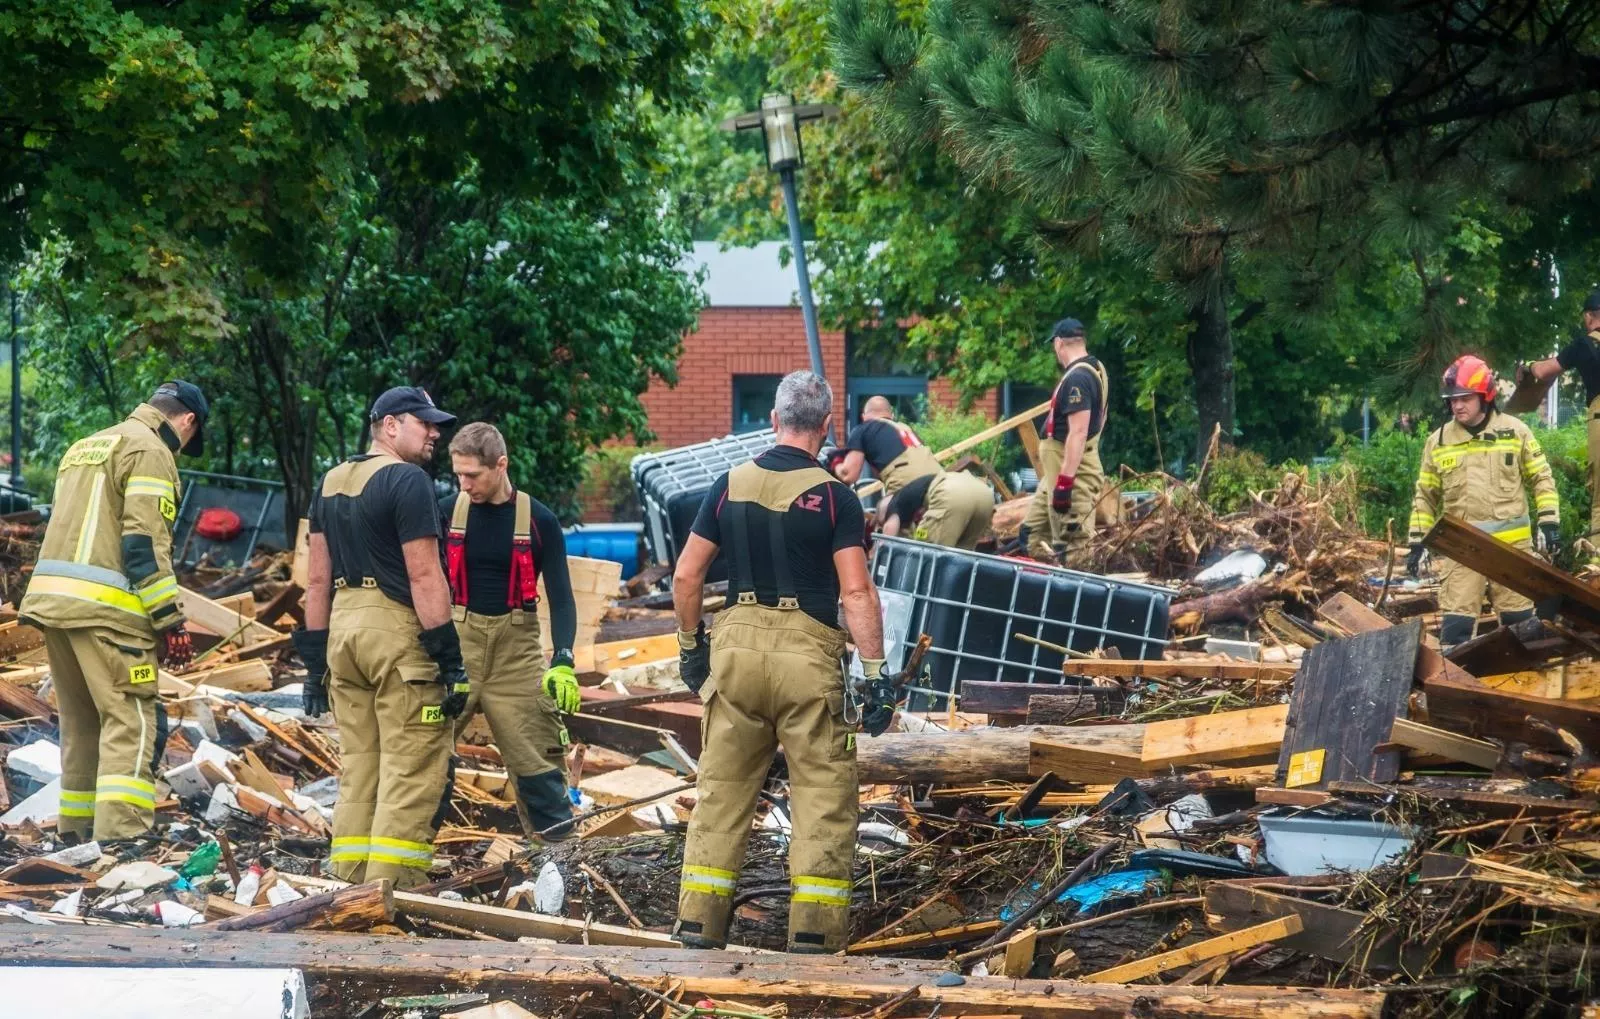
[792,536]
[1474,466]
[1061,517]
[499,543]
[378,626]
[104,595]
[897,456]
[1582,355]
[951,508]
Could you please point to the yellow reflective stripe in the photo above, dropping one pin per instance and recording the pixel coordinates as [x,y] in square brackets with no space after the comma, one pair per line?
[1514,535]
[163,590]
[1547,500]
[708,880]
[67,811]
[91,520]
[1428,479]
[147,802]
[412,854]
[826,891]
[349,847]
[126,781]
[77,803]
[144,485]
[89,591]
[400,860]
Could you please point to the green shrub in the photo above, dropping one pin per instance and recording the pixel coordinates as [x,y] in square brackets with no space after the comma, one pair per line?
[1386,475]
[1567,449]
[1234,476]
[606,471]
[941,428]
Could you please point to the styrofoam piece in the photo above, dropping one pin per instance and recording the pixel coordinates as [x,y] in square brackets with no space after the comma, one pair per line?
[1237,566]
[70,905]
[549,890]
[44,805]
[140,874]
[176,914]
[223,802]
[187,781]
[39,760]
[219,755]
[96,992]
[80,855]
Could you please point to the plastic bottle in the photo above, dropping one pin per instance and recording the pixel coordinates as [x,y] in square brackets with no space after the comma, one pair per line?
[249,885]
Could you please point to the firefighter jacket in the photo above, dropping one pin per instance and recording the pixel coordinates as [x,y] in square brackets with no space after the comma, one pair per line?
[106,559]
[1480,479]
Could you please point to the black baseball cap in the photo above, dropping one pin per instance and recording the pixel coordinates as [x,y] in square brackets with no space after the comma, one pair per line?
[413,400]
[1592,302]
[1066,327]
[188,394]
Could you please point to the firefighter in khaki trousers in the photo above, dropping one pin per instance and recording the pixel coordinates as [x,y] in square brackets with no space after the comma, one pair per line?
[104,594]
[500,542]
[378,627]
[897,456]
[1474,466]
[793,538]
[1061,516]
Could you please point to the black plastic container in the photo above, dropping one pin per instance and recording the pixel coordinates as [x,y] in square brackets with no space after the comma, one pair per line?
[671,486]
[974,606]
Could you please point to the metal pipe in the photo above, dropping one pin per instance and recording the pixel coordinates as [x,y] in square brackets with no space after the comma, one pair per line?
[791,204]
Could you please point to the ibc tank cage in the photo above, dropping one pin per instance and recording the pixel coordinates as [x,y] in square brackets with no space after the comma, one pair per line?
[672,484]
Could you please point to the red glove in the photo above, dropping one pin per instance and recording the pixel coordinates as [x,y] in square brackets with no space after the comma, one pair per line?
[1061,498]
[176,647]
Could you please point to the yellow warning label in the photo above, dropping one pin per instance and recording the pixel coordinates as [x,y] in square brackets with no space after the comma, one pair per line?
[432,714]
[142,674]
[169,510]
[1305,768]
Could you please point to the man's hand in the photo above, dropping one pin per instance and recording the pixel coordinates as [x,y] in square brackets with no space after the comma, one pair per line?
[176,647]
[1550,538]
[1061,498]
[444,646]
[878,701]
[561,683]
[694,657]
[312,646]
[1414,561]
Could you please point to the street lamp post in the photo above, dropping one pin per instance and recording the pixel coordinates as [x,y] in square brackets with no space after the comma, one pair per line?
[779,120]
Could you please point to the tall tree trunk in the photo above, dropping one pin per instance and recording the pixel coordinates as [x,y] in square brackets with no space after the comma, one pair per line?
[1211,365]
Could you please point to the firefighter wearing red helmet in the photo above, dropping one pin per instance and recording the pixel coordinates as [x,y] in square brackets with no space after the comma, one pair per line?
[1476,466]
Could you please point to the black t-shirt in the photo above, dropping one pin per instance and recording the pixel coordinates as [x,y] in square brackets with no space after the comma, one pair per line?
[1583,353]
[488,556]
[365,533]
[880,441]
[907,502]
[823,520]
[1079,389]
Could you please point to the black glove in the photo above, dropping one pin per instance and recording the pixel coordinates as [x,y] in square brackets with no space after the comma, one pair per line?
[444,647]
[1414,560]
[694,657]
[312,646]
[1551,533]
[878,700]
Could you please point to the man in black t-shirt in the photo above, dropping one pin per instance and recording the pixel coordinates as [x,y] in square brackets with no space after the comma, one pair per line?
[500,543]
[792,536]
[1583,356]
[378,626]
[897,456]
[1061,517]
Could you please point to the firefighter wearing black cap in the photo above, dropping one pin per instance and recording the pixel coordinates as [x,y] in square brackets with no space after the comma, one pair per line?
[380,644]
[104,595]
[499,545]
[1061,516]
[770,674]
[1474,466]
[1582,355]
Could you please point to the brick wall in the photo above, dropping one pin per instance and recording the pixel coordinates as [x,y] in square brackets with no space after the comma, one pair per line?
[942,393]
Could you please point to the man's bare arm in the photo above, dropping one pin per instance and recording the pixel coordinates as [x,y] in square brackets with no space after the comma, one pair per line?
[319,583]
[1549,368]
[689,580]
[430,592]
[862,616]
[849,469]
[1077,438]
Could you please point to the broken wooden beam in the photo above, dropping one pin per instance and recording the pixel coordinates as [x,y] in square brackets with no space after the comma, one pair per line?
[1522,572]
[1250,734]
[1327,932]
[553,974]
[1089,753]
[1000,755]
[356,908]
[1015,699]
[1226,944]
[1449,745]
[1469,707]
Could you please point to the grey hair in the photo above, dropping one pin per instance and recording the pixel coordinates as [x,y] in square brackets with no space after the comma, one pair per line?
[804,402]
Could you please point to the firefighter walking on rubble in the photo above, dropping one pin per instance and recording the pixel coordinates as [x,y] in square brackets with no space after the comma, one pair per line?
[378,627]
[1475,466]
[104,595]
[770,674]
[499,543]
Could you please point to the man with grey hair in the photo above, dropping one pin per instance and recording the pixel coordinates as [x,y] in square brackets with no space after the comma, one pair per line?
[794,545]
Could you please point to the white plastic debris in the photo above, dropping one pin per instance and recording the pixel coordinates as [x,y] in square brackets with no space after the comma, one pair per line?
[12,909]
[249,885]
[876,837]
[280,893]
[257,733]
[80,855]
[218,755]
[140,875]
[71,905]
[39,760]
[187,780]
[324,791]
[1073,823]
[43,805]
[176,914]
[223,803]
[1240,565]
[549,890]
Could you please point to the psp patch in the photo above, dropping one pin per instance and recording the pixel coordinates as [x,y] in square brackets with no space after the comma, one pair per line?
[169,509]
[432,714]
[142,674]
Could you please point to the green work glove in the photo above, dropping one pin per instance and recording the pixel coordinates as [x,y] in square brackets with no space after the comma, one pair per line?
[561,683]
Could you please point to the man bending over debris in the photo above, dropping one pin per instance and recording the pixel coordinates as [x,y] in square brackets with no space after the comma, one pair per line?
[1061,516]
[106,599]
[897,456]
[793,540]
[500,542]
[955,509]
[378,625]
[1474,467]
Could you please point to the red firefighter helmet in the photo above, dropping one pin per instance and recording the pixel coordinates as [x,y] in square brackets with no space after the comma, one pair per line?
[1469,376]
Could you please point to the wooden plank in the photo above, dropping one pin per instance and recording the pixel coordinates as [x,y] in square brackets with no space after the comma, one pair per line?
[1575,681]
[1028,434]
[1112,668]
[640,650]
[1448,745]
[1018,959]
[1473,709]
[951,452]
[1493,804]
[253,676]
[1327,932]
[1291,797]
[1345,700]
[1354,617]
[927,939]
[1012,698]
[244,603]
[600,701]
[300,567]
[222,621]
[1226,944]
[20,702]
[1224,736]
[549,975]
[1521,571]
[1090,753]
[18,638]
[628,737]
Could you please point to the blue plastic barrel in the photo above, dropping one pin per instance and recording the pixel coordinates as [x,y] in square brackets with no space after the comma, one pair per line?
[616,542]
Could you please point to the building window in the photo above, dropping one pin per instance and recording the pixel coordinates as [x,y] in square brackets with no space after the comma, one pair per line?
[753,399]
[871,371]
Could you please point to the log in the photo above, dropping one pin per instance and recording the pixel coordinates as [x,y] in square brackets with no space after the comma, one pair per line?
[357,908]
[1062,708]
[1242,605]
[20,702]
[550,975]
[963,757]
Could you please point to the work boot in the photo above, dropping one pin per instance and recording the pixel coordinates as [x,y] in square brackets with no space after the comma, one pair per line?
[693,938]
[1513,618]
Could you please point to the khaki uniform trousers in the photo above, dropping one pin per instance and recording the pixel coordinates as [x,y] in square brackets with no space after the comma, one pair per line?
[504,664]
[957,511]
[1461,590]
[113,730]
[1073,529]
[396,743]
[775,679]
